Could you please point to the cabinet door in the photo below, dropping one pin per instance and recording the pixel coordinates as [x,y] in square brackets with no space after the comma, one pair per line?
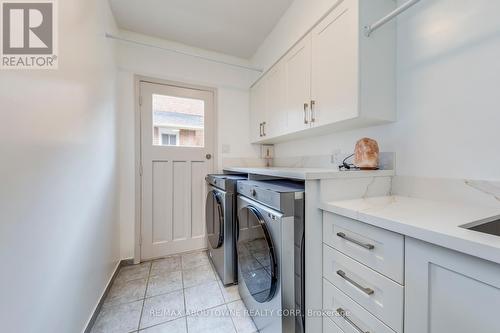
[298,85]
[275,86]
[257,110]
[335,65]
[447,291]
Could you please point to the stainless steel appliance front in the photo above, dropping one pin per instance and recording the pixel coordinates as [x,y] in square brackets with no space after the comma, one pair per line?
[270,254]
[220,220]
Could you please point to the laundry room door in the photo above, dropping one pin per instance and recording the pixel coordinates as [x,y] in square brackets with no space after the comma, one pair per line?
[177,147]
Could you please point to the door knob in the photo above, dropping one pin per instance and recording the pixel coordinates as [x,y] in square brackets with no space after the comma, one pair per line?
[208,156]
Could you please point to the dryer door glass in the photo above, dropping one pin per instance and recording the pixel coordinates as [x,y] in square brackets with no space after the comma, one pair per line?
[214,215]
[256,255]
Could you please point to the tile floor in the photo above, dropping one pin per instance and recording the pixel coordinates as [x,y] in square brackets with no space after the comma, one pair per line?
[177,294]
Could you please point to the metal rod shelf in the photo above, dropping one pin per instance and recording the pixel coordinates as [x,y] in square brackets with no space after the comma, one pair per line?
[371,28]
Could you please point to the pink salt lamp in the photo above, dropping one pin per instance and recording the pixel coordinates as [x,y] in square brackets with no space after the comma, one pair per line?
[366,154]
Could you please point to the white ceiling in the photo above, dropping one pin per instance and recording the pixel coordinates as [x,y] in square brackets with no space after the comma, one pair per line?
[234,27]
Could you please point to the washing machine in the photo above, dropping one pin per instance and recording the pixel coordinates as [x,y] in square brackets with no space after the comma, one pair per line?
[220,216]
[270,252]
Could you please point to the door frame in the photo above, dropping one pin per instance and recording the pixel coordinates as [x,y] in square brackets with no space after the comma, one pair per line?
[137,143]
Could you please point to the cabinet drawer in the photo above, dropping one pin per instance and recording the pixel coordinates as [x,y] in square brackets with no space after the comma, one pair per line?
[335,302]
[377,248]
[379,295]
[330,327]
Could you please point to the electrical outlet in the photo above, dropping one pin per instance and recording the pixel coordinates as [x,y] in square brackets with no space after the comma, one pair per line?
[336,157]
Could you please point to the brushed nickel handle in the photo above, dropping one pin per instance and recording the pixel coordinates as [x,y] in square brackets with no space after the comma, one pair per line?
[352,240]
[342,313]
[313,104]
[343,275]
[264,129]
[260,130]
[306,106]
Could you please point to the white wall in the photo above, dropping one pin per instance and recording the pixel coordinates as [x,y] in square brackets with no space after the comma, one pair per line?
[448,101]
[232,110]
[58,221]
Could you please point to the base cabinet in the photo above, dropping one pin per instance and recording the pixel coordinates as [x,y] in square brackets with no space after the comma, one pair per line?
[330,327]
[447,291]
[442,290]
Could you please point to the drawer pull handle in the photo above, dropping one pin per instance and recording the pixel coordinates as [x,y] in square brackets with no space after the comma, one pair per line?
[342,313]
[367,291]
[349,239]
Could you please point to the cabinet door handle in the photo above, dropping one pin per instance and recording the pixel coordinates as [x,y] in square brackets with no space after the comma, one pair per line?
[352,240]
[313,104]
[306,106]
[264,129]
[343,275]
[260,130]
[342,313]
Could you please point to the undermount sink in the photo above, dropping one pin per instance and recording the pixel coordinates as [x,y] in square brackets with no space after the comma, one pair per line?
[491,228]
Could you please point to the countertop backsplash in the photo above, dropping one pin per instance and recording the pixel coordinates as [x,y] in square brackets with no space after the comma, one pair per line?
[387,161]
[245,162]
[330,161]
[466,191]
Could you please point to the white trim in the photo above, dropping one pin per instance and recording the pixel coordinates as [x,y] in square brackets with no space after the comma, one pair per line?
[110,280]
[180,126]
[185,53]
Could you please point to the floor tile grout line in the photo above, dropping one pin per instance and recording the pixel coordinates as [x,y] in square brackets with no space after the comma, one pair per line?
[124,303]
[171,291]
[190,315]
[107,305]
[232,319]
[144,300]
[207,309]
[182,317]
[221,285]
[107,302]
[206,283]
[184,296]
[238,300]
[163,323]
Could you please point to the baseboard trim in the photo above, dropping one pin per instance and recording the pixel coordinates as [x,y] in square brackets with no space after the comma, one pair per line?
[91,322]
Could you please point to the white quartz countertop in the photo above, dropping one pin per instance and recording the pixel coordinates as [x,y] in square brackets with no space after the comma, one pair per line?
[431,221]
[309,173]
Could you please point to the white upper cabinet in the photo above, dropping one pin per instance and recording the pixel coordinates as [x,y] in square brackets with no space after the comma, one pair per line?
[335,78]
[276,120]
[335,66]
[258,111]
[298,85]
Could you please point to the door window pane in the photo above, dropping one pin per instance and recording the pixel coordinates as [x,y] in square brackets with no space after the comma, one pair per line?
[178,121]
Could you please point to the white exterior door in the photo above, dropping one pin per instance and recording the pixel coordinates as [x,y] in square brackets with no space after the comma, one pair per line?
[177,144]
